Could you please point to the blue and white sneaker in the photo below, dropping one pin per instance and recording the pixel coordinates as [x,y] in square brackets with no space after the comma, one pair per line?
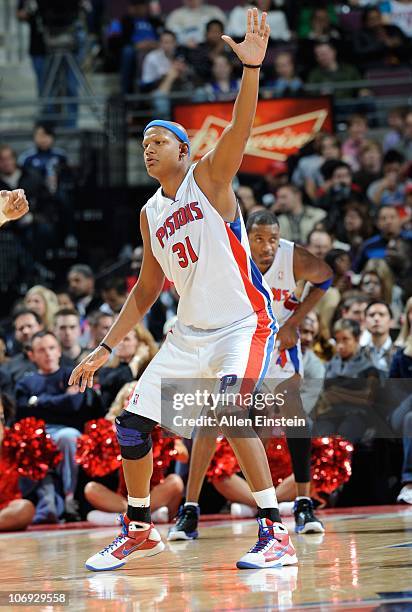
[273,548]
[185,527]
[135,541]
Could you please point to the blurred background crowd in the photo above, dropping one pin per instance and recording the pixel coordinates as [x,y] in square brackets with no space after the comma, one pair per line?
[67,266]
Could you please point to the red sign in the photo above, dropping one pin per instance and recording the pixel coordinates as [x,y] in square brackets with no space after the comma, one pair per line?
[280,129]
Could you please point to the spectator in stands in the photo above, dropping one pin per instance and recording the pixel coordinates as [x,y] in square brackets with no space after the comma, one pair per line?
[321,30]
[81,288]
[389,226]
[351,147]
[279,29]
[405,144]
[396,123]
[378,44]
[202,56]
[136,34]
[133,354]
[114,294]
[45,394]
[405,335]
[370,164]
[67,330]
[286,82]
[398,256]
[340,263]
[354,307]
[356,227]
[380,348]
[247,199]
[27,11]
[158,62]
[16,514]
[313,368]
[307,173]
[391,188]
[329,71]
[349,359]
[99,324]
[276,176]
[44,157]
[179,78]
[378,282]
[26,323]
[64,300]
[319,242]
[296,220]
[398,13]
[223,85]
[188,22]
[44,302]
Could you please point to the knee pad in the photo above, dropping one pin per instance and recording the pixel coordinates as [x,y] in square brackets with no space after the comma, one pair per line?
[134,435]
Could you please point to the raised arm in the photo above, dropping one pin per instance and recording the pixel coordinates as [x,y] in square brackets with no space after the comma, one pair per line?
[141,298]
[219,166]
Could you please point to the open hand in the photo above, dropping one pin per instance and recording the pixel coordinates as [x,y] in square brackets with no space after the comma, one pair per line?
[14,204]
[82,374]
[253,49]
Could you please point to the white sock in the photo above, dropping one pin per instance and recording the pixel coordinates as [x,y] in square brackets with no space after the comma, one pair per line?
[138,502]
[302,497]
[266,498]
[191,504]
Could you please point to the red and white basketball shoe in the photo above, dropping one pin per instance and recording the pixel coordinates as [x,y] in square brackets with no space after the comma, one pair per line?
[273,548]
[135,541]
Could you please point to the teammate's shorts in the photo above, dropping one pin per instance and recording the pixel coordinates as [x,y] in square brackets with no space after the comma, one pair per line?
[239,353]
[286,363]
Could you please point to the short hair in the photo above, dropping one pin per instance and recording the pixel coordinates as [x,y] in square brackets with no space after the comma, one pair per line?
[66,312]
[385,207]
[357,117]
[169,32]
[329,168]
[333,255]
[7,147]
[360,298]
[95,316]
[383,303]
[42,334]
[393,157]
[46,127]
[119,284]
[83,269]
[213,22]
[348,325]
[26,311]
[261,217]
[316,230]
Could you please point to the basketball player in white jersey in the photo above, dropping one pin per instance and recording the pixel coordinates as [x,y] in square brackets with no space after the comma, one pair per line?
[193,234]
[283,265]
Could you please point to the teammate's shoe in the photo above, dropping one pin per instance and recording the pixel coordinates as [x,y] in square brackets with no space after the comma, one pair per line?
[305,520]
[136,540]
[185,527]
[273,548]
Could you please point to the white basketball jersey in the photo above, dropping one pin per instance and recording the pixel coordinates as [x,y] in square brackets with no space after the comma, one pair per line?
[282,282]
[206,258]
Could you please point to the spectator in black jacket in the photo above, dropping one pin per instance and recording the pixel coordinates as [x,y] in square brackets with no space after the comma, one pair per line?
[46,395]
[26,323]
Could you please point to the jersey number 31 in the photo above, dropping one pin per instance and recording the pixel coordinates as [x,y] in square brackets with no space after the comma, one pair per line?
[184,252]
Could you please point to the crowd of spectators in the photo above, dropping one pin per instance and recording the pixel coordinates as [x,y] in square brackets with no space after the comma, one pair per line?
[348,199]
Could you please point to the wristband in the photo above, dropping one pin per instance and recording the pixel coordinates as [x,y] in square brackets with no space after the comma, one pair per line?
[106,346]
[325,285]
[252,66]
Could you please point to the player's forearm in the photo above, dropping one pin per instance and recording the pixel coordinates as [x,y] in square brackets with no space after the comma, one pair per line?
[245,106]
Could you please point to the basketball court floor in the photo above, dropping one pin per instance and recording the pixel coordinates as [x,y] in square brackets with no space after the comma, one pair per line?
[363,562]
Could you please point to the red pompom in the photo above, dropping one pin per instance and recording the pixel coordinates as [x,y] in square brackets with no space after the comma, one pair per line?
[279,460]
[98,450]
[29,449]
[224,463]
[331,463]
[9,484]
[163,454]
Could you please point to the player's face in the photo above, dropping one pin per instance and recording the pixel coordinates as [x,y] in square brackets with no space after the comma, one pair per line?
[162,152]
[264,242]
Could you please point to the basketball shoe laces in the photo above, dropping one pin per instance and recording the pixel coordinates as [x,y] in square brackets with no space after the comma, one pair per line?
[123,534]
[265,537]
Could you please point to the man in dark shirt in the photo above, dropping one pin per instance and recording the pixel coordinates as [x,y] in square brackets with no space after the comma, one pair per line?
[46,395]
[26,323]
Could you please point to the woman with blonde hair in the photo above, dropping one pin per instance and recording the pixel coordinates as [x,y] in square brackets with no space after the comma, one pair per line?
[378,283]
[44,302]
[404,340]
[133,355]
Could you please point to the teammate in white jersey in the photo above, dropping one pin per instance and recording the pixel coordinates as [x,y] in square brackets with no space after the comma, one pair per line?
[192,233]
[283,265]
